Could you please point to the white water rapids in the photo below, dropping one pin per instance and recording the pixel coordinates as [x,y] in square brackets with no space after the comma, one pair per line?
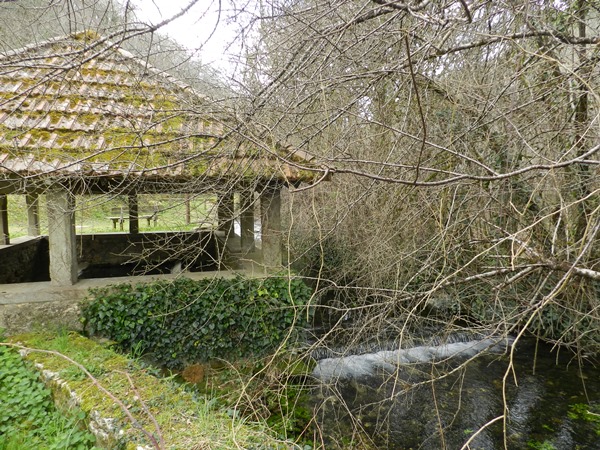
[356,366]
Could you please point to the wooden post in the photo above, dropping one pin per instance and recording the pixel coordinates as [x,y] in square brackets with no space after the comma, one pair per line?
[247,220]
[4,235]
[134,224]
[225,213]
[270,211]
[33,214]
[61,237]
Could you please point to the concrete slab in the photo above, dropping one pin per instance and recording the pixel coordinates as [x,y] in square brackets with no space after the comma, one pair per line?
[11,294]
[19,240]
[30,306]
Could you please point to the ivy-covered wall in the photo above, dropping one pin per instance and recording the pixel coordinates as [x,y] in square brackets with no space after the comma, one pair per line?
[180,322]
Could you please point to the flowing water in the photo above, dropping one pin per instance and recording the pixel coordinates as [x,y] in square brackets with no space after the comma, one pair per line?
[440,396]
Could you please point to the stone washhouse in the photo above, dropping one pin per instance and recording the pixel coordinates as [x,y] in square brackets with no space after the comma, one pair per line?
[81,116]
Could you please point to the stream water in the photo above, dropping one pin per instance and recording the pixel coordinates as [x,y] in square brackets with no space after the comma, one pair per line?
[439,396]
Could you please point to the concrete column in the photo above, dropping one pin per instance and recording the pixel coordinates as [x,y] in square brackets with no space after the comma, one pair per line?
[247,220]
[61,237]
[4,236]
[188,209]
[33,214]
[134,224]
[225,211]
[270,215]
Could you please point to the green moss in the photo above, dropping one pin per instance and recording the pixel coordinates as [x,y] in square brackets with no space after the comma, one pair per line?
[64,139]
[173,124]
[164,102]
[9,134]
[88,119]
[40,135]
[134,100]
[98,72]
[87,35]
[26,84]
[55,117]
[184,418]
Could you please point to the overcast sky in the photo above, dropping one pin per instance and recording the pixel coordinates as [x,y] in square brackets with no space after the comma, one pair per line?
[202,29]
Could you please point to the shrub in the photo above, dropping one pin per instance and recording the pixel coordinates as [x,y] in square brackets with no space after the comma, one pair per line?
[184,321]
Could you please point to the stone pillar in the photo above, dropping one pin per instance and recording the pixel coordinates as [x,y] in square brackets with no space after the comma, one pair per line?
[4,235]
[225,212]
[270,218]
[61,237]
[33,214]
[134,224]
[247,220]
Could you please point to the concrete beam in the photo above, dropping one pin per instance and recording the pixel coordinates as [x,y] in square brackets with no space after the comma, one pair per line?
[33,214]
[61,237]
[247,220]
[270,210]
[4,235]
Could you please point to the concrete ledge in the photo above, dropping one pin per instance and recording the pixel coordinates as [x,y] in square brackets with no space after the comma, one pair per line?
[25,317]
[29,306]
[43,292]
[19,240]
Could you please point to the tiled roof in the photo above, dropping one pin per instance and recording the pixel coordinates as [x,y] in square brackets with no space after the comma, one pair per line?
[81,106]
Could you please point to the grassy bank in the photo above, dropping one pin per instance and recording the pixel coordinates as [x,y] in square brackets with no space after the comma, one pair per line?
[130,404]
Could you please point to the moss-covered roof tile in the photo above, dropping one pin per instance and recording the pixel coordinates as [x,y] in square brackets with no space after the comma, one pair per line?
[80,105]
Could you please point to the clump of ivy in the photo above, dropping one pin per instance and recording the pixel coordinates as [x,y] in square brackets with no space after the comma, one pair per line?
[28,418]
[184,321]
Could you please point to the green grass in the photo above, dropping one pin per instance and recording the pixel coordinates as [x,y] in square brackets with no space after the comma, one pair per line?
[91,215]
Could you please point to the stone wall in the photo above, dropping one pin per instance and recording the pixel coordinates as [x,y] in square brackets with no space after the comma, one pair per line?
[197,248]
[47,315]
[41,306]
[25,260]
[26,304]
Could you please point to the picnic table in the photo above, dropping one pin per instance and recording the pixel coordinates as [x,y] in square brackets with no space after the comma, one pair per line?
[121,214]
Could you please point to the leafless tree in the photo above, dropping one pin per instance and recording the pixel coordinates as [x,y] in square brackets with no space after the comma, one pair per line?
[458,146]
[461,139]
[462,142]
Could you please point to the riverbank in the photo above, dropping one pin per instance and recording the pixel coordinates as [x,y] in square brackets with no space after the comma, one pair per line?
[126,405]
